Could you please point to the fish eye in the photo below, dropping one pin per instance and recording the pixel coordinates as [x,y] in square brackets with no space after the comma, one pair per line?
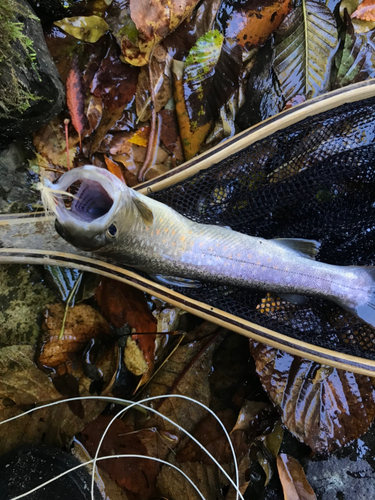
[112,231]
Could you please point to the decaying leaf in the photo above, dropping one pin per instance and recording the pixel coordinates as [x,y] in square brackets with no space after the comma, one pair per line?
[210,76]
[169,133]
[153,21]
[293,479]
[86,28]
[160,70]
[191,140]
[253,25]
[304,48]
[22,383]
[82,323]
[114,168]
[366,11]
[75,98]
[355,59]
[322,406]
[49,141]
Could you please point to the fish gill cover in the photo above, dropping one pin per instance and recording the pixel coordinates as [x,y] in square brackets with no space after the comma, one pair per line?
[314,179]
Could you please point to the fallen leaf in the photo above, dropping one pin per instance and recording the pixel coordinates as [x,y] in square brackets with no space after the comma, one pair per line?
[191,140]
[322,406]
[82,323]
[140,137]
[252,24]
[211,75]
[161,82]
[86,28]
[22,383]
[134,474]
[293,479]
[75,98]
[305,45]
[366,11]
[49,141]
[152,21]
[94,113]
[170,135]
[114,168]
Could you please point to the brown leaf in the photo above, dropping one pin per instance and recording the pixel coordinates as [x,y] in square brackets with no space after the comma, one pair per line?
[49,141]
[83,322]
[322,406]
[22,383]
[133,474]
[75,98]
[153,21]
[94,113]
[121,304]
[114,168]
[161,82]
[191,140]
[170,135]
[253,26]
[293,479]
[365,11]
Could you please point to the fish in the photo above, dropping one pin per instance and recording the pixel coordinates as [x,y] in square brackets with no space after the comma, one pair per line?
[109,219]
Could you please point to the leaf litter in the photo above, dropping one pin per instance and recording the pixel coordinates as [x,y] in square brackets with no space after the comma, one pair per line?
[186,51]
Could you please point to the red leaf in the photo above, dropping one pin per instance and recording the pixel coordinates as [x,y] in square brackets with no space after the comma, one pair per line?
[75,97]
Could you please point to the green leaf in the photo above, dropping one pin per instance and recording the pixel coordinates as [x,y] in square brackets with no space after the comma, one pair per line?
[354,61]
[305,45]
[86,28]
[211,75]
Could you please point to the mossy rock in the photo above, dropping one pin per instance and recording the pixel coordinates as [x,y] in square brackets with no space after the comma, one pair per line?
[31,90]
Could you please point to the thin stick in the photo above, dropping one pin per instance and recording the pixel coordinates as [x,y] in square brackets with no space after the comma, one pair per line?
[66,123]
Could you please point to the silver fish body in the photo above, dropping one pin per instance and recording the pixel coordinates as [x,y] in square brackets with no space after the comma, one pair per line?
[143,233]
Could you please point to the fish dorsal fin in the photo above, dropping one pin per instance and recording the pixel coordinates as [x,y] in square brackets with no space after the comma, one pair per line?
[144,211]
[308,248]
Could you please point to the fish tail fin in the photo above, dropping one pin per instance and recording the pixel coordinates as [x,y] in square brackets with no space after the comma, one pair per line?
[364,306]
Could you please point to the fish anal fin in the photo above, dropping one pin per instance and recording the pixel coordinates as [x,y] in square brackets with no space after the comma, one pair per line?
[176,281]
[144,211]
[309,248]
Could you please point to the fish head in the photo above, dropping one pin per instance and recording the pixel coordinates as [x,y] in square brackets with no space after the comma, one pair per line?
[92,221]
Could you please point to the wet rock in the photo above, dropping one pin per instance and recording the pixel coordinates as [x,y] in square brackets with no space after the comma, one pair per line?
[31,90]
[16,179]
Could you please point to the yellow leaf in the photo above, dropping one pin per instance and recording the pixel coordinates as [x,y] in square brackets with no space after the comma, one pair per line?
[86,28]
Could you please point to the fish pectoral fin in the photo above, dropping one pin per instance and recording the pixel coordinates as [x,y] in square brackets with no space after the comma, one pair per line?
[176,281]
[309,248]
[144,211]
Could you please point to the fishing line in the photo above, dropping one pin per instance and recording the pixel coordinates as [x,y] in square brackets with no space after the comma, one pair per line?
[129,404]
[105,458]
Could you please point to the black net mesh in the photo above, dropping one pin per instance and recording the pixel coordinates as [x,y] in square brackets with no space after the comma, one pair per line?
[314,180]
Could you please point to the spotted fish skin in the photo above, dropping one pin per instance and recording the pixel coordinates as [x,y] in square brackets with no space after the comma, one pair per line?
[154,238]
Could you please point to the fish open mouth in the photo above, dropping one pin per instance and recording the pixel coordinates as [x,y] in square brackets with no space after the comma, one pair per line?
[91,193]
[90,201]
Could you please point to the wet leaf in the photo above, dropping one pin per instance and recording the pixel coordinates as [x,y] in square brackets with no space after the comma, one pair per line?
[251,24]
[122,304]
[94,113]
[140,137]
[168,318]
[49,141]
[153,20]
[114,168]
[210,76]
[304,48]
[82,323]
[22,383]
[293,479]
[366,11]
[75,97]
[322,406]
[134,474]
[161,83]
[355,60]
[169,134]
[86,28]
[192,140]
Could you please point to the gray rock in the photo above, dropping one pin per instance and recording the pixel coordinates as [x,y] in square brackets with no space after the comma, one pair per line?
[37,78]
